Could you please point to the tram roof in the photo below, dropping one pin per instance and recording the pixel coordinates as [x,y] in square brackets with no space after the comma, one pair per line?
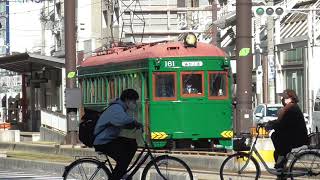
[161,50]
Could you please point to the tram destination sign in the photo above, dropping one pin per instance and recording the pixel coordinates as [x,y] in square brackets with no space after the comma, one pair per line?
[192,63]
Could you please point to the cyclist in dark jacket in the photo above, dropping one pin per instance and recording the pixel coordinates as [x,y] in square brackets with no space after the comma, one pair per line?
[290,128]
[111,122]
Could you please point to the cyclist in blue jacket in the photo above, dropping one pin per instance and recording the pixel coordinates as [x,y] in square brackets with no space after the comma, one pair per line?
[108,127]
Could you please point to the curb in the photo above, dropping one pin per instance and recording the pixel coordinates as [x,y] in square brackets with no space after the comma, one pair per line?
[201,162]
[58,168]
[7,163]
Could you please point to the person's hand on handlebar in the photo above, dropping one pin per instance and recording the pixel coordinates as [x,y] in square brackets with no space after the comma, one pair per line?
[269,125]
[138,125]
[261,125]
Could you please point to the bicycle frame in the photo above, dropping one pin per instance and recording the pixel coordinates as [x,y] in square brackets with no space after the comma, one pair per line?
[270,170]
[138,163]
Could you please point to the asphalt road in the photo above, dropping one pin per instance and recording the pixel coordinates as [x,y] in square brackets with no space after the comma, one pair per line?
[14,174]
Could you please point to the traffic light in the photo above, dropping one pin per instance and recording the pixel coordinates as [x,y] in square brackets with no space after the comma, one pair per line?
[260,11]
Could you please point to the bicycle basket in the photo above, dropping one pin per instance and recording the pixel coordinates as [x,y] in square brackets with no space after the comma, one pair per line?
[314,139]
[240,144]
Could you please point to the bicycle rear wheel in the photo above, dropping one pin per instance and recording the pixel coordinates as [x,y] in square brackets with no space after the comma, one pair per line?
[240,166]
[86,169]
[169,168]
[306,165]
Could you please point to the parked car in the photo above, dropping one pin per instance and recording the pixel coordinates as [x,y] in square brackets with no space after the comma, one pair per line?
[266,112]
[308,122]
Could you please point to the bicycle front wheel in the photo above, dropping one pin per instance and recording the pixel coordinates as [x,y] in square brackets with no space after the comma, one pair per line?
[306,165]
[240,166]
[85,169]
[167,168]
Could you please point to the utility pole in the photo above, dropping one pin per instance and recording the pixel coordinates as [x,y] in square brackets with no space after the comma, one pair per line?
[70,59]
[7,44]
[214,18]
[244,67]
[189,14]
[265,81]
[270,57]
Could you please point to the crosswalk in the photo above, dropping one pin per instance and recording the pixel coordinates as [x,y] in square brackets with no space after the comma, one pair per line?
[22,175]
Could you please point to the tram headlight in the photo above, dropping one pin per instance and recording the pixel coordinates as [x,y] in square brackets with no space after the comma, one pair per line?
[190,40]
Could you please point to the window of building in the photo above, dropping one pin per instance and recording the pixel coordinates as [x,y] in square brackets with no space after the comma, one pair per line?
[218,85]
[184,3]
[192,84]
[295,81]
[195,3]
[317,104]
[293,56]
[58,9]
[164,86]
[181,3]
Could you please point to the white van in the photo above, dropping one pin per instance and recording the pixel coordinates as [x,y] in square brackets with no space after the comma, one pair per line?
[266,112]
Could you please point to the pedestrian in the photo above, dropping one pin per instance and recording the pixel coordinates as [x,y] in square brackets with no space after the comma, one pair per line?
[289,129]
[107,130]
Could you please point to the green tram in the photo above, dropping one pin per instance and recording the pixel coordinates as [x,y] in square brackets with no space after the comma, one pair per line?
[185,91]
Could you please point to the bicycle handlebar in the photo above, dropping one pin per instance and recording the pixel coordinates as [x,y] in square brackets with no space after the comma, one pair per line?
[261,125]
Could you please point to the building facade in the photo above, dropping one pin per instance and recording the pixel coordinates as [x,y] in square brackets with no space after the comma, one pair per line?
[293,64]
[297,52]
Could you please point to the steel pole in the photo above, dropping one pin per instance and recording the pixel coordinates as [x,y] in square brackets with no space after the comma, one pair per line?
[270,59]
[7,28]
[214,18]
[244,67]
[265,78]
[70,59]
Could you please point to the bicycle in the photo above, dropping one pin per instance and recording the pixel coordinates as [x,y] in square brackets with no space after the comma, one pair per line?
[164,167]
[243,165]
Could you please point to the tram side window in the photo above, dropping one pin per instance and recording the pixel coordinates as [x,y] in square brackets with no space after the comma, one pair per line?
[93,88]
[192,83]
[164,86]
[218,84]
[111,89]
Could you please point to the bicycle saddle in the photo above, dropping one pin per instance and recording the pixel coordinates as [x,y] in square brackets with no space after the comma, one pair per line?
[297,149]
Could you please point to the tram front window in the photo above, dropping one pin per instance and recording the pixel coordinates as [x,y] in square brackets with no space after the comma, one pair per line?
[192,83]
[164,85]
[218,84]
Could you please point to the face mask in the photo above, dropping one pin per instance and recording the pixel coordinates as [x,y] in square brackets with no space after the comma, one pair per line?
[132,105]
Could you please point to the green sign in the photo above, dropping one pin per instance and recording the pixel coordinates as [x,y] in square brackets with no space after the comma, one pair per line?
[244,52]
[71,74]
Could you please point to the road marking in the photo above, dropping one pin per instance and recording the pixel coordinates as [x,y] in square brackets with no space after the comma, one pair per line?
[7,174]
